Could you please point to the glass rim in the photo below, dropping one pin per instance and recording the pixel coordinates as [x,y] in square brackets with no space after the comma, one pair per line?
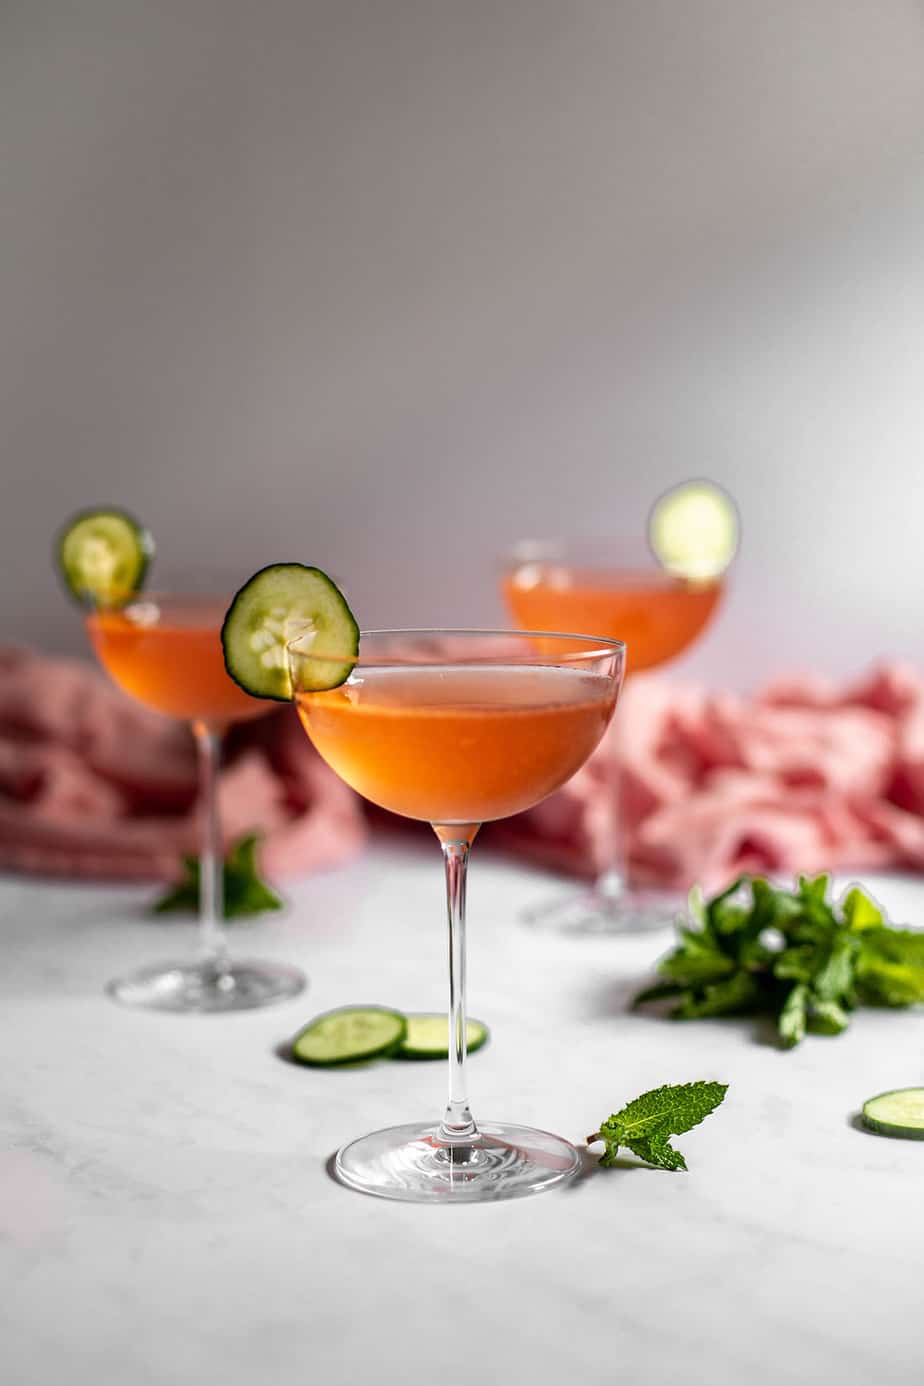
[622,556]
[611,556]
[538,546]
[598,646]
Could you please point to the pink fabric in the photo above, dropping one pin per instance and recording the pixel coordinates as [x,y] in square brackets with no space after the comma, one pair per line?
[805,776]
[93,785]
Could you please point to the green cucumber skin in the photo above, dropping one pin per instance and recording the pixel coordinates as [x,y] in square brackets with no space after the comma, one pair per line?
[384,1051]
[239,594]
[908,1133]
[143,535]
[270,697]
[887,1128]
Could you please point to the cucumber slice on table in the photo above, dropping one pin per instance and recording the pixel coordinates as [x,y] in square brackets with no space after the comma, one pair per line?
[428,1037]
[693,530]
[278,604]
[349,1035]
[899,1113]
[103,556]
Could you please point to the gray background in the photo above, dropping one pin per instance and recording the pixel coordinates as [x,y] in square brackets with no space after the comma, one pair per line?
[385,285]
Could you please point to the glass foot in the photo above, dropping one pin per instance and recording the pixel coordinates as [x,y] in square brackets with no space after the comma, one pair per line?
[595,912]
[413,1164]
[201,987]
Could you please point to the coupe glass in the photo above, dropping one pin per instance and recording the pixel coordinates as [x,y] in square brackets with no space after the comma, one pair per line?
[618,587]
[457,728]
[164,650]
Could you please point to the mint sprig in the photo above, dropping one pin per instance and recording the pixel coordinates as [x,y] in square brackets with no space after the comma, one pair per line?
[246,893]
[644,1125]
[793,954]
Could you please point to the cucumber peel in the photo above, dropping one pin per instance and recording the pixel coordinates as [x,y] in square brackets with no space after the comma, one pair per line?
[103,556]
[277,605]
[693,530]
[428,1037]
[899,1113]
[349,1035]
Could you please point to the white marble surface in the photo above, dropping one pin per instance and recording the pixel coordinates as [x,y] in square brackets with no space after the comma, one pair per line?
[166,1215]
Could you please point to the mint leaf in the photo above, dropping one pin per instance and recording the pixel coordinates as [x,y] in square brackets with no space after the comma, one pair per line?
[796,964]
[245,892]
[814,890]
[905,946]
[725,912]
[794,1015]
[242,857]
[644,1125]
[693,967]
[827,1018]
[247,897]
[659,992]
[657,1151]
[715,906]
[732,996]
[181,899]
[835,975]
[696,906]
[860,912]
[890,967]
[766,903]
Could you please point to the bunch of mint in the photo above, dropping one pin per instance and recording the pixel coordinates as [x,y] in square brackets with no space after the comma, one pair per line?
[792,954]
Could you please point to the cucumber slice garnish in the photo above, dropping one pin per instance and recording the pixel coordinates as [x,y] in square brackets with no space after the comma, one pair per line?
[276,605]
[693,530]
[428,1037]
[103,556]
[899,1113]
[349,1035]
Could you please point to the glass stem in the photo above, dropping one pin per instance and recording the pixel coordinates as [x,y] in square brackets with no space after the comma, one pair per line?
[457,1126]
[213,946]
[613,879]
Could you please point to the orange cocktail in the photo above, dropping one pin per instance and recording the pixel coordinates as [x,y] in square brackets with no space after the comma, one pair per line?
[166,652]
[656,614]
[455,728]
[614,588]
[459,745]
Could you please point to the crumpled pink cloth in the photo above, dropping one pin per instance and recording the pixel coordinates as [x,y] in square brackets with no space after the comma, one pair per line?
[94,785]
[804,776]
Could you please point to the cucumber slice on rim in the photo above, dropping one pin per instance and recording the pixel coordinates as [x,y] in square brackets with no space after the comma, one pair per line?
[103,556]
[276,605]
[899,1113]
[693,530]
[349,1035]
[428,1037]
